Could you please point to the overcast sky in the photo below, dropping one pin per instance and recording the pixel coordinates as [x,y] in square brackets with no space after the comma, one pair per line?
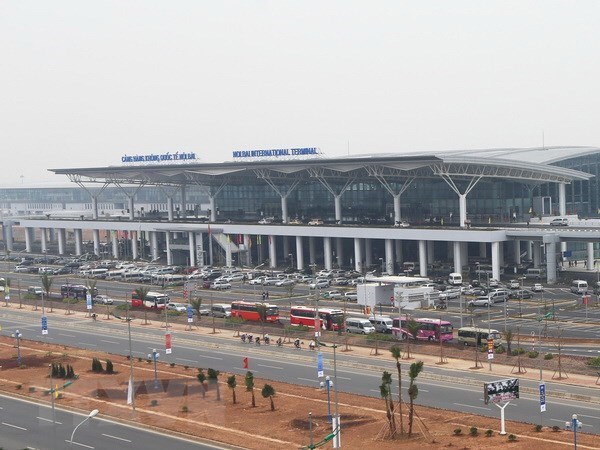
[83,83]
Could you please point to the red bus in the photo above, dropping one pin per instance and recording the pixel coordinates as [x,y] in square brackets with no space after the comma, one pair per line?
[249,311]
[429,329]
[156,300]
[305,315]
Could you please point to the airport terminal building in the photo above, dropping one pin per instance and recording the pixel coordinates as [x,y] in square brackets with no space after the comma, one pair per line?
[295,207]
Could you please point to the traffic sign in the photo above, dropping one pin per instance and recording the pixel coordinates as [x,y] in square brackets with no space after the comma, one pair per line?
[190,314]
[88,301]
[168,343]
[543,397]
[44,325]
[320,371]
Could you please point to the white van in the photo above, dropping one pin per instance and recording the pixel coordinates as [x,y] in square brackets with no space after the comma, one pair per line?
[359,325]
[381,324]
[478,336]
[579,287]
[536,274]
[455,279]
[221,310]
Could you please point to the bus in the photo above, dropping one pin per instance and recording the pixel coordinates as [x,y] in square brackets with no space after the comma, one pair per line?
[156,300]
[76,291]
[429,329]
[305,315]
[249,311]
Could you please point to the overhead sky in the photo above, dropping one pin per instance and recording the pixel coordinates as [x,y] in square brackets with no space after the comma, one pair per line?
[83,83]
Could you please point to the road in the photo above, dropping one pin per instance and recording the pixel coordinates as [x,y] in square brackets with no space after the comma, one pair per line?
[439,387]
[25,424]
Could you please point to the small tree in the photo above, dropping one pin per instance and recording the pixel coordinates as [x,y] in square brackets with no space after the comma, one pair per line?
[397,354]
[385,390]
[268,391]
[109,367]
[413,327]
[141,293]
[249,381]
[196,305]
[508,337]
[97,365]
[413,391]
[262,314]
[47,286]
[213,378]
[232,383]
[202,379]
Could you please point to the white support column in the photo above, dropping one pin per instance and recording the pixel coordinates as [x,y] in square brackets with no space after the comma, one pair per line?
[389,256]
[184,204]
[192,248]
[537,254]
[338,208]
[131,205]
[213,208]
[483,249]
[96,237]
[61,241]
[501,254]
[562,199]
[286,248]
[423,258]
[590,256]
[284,209]
[397,209]
[8,235]
[517,251]
[248,244]
[430,251]
[312,253]
[368,253]
[272,252]
[457,256]
[528,251]
[327,252]
[94,207]
[358,254]
[170,208]
[43,240]
[168,246]
[199,250]
[299,253]
[28,239]
[339,252]
[228,253]
[399,252]
[78,242]
[496,260]
[114,237]
[133,236]
[550,247]
[154,245]
[462,207]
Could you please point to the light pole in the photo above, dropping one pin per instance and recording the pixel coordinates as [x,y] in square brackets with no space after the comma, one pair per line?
[17,335]
[94,413]
[154,355]
[336,427]
[574,425]
[328,384]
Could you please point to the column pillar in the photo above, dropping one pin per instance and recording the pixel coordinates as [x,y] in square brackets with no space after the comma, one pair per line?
[78,241]
[199,250]
[28,239]
[168,245]
[338,208]
[114,237]
[550,247]
[562,199]
[8,234]
[272,252]
[462,206]
[154,245]
[133,235]
[228,253]
[339,252]
[464,255]
[399,252]
[397,209]
[358,254]
[528,250]
[192,248]
[61,241]
[430,251]
[423,258]
[368,254]
[389,256]
[457,256]
[96,236]
[286,249]
[483,249]
[43,240]
[496,260]
[517,251]
[537,254]
[500,254]
[312,254]
[170,208]
[131,206]
[299,253]
[184,205]
[284,209]
[590,256]
[327,252]
[248,244]
[213,208]
[94,207]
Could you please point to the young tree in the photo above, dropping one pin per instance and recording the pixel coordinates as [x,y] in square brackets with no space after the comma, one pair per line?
[413,391]
[385,390]
[213,378]
[232,383]
[268,391]
[141,293]
[7,290]
[262,314]
[397,354]
[47,286]
[202,379]
[249,381]
[508,337]
[412,326]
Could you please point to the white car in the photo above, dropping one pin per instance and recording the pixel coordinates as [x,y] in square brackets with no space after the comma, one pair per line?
[537,287]
[285,282]
[514,284]
[180,307]
[271,281]
[318,284]
[351,295]
[332,294]
[402,224]
[480,301]
[235,277]
[257,280]
[315,222]
[22,269]
[219,285]
[103,299]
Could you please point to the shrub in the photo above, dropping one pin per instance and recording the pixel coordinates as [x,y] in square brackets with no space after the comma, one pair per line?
[186,367]
[154,403]
[548,356]
[109,366]
[533,354]
[172,364]
[97,365]
[512,438]
[31,388]
[19,386]
[457,431]
[538,428]
[128,357]
[184,409]
[489,433]
[500,349]
[594,362]
[555,428]
[473,431]
[483,348]
[148,361]
[140,359]
[518,351]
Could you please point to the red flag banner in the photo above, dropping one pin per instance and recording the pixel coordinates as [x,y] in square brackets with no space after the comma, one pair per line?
[245,363]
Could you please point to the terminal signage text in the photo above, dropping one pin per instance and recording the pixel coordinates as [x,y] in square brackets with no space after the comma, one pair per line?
[275,153]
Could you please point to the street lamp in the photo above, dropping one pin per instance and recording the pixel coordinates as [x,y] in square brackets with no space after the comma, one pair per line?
[336,426]
[328,384]
[92,414]
[154,355]
[574,425]
[17,335]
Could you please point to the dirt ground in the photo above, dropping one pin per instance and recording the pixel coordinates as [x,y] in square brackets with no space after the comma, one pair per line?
[178,404]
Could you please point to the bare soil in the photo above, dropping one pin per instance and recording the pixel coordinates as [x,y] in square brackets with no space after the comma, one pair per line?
[178,404]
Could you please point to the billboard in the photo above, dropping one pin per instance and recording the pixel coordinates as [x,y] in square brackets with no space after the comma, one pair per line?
[501,391]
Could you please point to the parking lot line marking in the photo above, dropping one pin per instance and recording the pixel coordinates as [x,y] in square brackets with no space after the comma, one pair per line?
[14,426]
[48,420]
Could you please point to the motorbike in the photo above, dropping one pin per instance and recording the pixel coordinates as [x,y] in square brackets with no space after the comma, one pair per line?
[297,343]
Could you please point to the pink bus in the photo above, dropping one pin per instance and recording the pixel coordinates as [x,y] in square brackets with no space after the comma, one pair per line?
[430,329]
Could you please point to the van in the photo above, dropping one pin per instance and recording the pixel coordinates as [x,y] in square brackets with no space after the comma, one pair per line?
[222,310]
[359,326]
[381,324]
[478,336]
[579,287]
[498,295]
[35,290]
[560,222]
[536,274]
[455,279]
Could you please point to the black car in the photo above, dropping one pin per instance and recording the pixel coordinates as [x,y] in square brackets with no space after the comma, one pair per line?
[62,271]
[520,293]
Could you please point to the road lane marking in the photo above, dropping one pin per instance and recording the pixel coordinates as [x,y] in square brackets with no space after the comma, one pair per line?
[67,335]
[270,367]
[48,420]
[210,357]
[471,406]
[565,421]
[188,360]
[585,415]
[116,437]
[91,345]
[110,342]
[78,443]
[311,380]
[14,426]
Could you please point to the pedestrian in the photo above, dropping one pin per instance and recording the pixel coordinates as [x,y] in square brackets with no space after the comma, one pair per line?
[264,295]
[267,294]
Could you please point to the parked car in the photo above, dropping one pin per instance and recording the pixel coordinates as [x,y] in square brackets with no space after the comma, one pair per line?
[35,290]
[266,220]
[21,269]
[179,307]
[220,285]
[332,294]
[351,295]
[537,287]
[285,282]
[340,281]
[520,293]
[235,277]
[257,280]
[514,284]
[480,301]
[560,222]
[315,222]
[271,281]
[295,222]
[318,284]
[103,299]
[402,224]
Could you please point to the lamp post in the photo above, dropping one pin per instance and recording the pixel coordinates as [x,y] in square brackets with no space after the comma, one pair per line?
[328,384]
[154,356]
[17,335]
[336,427]
[92,414]
[574,425]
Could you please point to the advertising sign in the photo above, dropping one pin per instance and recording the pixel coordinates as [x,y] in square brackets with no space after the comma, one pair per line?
[88,301]
[490,346]
[501,391]
[320,371]
[168,343]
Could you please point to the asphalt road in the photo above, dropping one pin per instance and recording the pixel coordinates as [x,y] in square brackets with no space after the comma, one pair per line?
[439,387]
[25,424]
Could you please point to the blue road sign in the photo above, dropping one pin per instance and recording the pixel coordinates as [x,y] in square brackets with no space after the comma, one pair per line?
[542,397]
[320,371]
[88,301]
[44,325]
[190,314]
